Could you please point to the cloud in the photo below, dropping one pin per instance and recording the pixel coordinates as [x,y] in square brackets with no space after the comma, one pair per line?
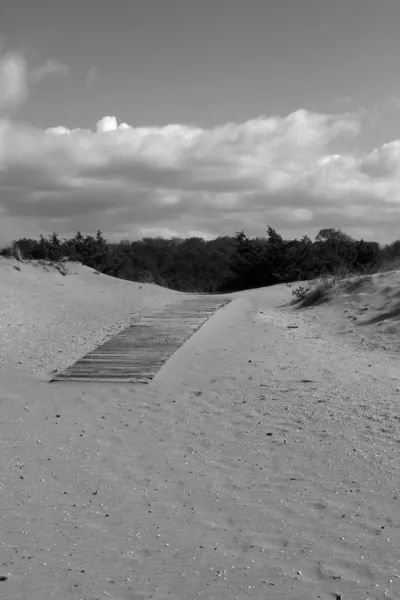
[51,67]
[383,163]
[15,77]
[295,172]
[93,75]
[13,80]
[109,124]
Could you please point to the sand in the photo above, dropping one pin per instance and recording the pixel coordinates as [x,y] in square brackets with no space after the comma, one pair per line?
[262,462]
[48,320]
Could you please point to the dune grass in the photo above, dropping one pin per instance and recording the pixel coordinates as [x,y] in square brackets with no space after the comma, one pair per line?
[327,287]
[324,288]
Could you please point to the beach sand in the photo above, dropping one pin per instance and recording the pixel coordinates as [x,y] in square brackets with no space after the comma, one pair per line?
[261,463]
[48,320]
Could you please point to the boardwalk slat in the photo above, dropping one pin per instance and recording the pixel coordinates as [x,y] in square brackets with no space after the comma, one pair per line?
[137,354]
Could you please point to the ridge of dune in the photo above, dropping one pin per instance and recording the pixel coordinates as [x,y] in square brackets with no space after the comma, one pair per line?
[51,314]
[364,309]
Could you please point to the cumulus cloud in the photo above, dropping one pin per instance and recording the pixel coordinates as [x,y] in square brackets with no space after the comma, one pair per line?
[13,80]
[16,76]
[383,162]
[294,172]
[109,124]
[50,67]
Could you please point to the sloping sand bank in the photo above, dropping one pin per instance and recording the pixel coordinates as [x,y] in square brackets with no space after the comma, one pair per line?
[363,309]
[261,463]
[48,320]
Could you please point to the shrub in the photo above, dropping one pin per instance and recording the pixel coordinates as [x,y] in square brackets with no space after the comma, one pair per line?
[224,264]
[318,295]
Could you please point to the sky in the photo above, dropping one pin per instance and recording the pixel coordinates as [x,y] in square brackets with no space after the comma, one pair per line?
[187,118]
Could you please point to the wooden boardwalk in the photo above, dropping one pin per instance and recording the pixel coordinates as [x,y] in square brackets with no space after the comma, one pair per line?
[137,354]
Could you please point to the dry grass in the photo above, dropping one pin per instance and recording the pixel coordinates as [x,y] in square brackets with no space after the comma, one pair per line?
[352,285]
[313,293]
[325,288]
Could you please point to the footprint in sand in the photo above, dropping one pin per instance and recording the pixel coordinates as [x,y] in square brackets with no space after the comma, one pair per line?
[344,570]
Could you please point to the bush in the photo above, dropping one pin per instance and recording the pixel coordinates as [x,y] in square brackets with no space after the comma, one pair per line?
[224,264]
[318,295]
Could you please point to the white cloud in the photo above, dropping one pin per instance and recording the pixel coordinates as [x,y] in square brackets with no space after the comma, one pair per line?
[107,124]
[93,75]
[383,161]
[13,75]
[51,67]
[110,124]
[295,173]
[59,130]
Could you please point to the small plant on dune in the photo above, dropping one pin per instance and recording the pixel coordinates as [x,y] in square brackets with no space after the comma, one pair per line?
[318,295]
[306,287]
[301,292]
[314,293]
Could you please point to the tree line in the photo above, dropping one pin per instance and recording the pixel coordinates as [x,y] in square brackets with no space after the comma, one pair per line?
[225,264]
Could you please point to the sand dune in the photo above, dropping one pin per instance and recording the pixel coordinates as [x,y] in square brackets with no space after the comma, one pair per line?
[48,320]
[262,462]
[365,310]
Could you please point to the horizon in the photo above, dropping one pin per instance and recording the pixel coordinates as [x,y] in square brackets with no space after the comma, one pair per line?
[92,234]
[183,119]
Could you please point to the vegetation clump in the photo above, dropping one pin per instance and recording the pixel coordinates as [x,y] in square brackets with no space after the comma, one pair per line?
[225,264]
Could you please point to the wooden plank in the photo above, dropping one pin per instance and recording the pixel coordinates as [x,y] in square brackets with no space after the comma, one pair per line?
[100,379]
[137,354]
[115,368]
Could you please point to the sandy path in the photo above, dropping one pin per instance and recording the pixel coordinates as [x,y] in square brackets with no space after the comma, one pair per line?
[261,463]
